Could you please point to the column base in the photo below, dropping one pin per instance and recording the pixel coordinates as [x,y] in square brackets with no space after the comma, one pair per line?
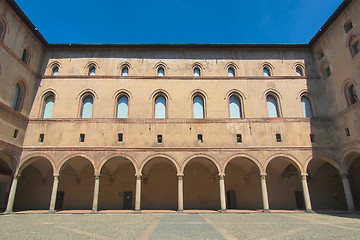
[94,211]
[8,212]
[52,211]
[266,211]
[222,210]
[137,211]
[180,211]
[309,211]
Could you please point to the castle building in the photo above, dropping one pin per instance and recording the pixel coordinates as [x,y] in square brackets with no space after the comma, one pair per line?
[180,126]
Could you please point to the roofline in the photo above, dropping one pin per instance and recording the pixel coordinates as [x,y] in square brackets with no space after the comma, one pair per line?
[330,21]
[27,21]
[181,45]
[41,38]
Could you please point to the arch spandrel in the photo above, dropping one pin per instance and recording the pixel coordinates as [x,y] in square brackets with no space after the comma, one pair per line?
[164,156]
[245,156]
[200,155]
[291,159]
[116,155]
[348,157]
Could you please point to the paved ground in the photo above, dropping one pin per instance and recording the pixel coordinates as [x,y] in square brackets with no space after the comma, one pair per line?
[180,226]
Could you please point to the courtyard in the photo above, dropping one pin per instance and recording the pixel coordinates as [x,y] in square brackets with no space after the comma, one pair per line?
[201,225]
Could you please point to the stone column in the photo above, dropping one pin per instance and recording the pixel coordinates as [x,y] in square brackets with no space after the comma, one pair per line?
[180,193]
[307,200]
[264,192]
[96,193]
[54,193]
[222,192]
[138,193]
[348,194]
[10,204]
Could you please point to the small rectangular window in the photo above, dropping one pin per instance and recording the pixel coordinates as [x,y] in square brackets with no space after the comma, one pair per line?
[347,132]
[278,137]
[200,138]
[16,132]
[159,138]
[41,137]
[348,26]
[120,137]
[82,137]
[312,137]
[238,138]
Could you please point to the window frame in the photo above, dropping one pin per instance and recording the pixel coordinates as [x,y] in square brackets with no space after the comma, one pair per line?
[348,95]
[198,94]
[81,104]
[160,94]
[2,35]
[235,94]
[89,68]
[278,104]
[18,105]
[305,95]
[26,55]
[118,96]
[43,104]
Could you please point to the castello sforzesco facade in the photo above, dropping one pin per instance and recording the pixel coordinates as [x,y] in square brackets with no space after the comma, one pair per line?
[180,126]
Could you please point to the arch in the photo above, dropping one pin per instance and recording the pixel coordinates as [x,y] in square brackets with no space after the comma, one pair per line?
[272,91]
[86,91]
[11,162]
[233,66]
[200,155]
[349,91]
[325,68]
[160,91]
[158,67]
[114,155]
[268,66]
[242,155]
[273,105]
[196,92]
[26,55]
[197,67]
[160,155]
[52,65]
[3,28]
[123,65]
[63,162]
[90,65]
[324,156]
[122,92]
[234,91]
[291,159]
[353,43]
[32,158]
[347,159]
[310,96]
[19,95]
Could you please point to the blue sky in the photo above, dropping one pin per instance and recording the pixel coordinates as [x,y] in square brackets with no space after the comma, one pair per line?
[178,21]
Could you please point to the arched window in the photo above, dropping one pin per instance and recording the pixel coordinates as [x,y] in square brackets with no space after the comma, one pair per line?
[125,71]
[55,70]
[231,72]
[235,107]
[197,72]
[160,107]
[161,72]
[198,107]
[306,106]
[25,56]
[272,106]
[266,71]
[87,107]
[355,47]
[122,107]
[2,29]
[299,72]
[352,97]
[48,106]
[17,97]
[92,70]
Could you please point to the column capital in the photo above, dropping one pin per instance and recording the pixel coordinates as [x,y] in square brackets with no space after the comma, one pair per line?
[56,176]
[304,176]
[222,176]
[263,175]
[345,175]
[138,176]
[17,176]
[180,176]
[97,176]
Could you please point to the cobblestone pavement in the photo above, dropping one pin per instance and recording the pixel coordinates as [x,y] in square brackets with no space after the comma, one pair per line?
[180,226]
